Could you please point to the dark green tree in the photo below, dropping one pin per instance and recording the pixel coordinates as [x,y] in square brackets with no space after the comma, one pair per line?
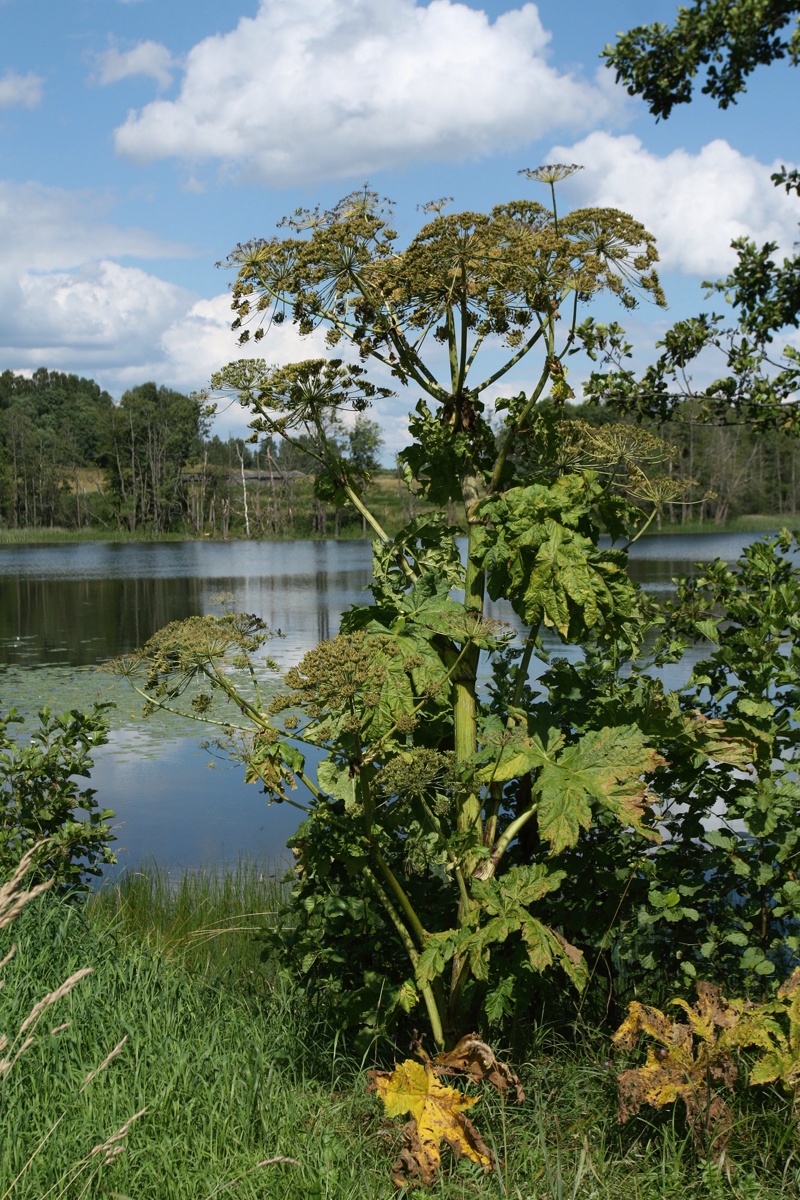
[723,39]
[154,433]
[757,385]
[52,426]
[364,442]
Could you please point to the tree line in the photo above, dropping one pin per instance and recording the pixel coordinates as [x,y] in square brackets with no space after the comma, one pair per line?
[70,457]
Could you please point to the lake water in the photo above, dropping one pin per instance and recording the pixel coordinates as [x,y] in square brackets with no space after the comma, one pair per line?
[65,609]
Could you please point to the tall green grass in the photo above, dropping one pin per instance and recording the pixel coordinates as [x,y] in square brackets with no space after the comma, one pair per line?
[209,918]
[249,1093]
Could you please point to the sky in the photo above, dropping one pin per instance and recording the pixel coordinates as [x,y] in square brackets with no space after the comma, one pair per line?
[140,141]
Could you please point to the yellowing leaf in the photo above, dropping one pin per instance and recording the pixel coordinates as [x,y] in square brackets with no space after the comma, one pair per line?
[714,741]
[606,765]
[437,1115]
[679,1069]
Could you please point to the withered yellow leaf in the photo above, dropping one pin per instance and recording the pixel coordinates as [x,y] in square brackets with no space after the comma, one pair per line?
[437,1115]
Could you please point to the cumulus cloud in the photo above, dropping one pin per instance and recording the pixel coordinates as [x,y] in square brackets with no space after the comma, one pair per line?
[201,341]
[102,311]
[67,303]
[695,204]
[20,91]
[147,58]
[48,228]
[320,89]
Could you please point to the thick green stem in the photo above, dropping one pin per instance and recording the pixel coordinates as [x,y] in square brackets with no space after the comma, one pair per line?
[492,813]
[465,735]
[644,528]
[400,895]
[465,699]
[489,866]
[434,1015]
[464,316]
[513,428]
[452,352]
[361,508]
[457,984]
[524,666]
[511,362]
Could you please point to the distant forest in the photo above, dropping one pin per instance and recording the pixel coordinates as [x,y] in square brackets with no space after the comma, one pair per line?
[70,457]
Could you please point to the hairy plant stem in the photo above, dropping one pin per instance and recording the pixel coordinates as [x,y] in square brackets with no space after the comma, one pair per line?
[513,429]
[465,739]
[465,698]
[434,1015]
[414,922]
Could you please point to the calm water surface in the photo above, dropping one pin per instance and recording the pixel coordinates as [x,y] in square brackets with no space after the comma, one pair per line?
[65,609]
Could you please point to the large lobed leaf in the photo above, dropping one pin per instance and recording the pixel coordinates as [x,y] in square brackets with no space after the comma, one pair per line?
[607,766]
[437,1115]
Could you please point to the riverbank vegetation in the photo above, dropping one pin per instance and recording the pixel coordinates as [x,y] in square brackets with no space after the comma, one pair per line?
[508,857]
[541,862]
[523,861]
[75,466]
[248,1090]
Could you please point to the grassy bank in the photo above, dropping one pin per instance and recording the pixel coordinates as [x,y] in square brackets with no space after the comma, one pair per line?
[247,1092]
[389,512]
[45,535]
[751,523]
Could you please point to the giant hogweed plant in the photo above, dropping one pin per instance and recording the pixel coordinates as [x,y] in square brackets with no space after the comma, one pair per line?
[429,866]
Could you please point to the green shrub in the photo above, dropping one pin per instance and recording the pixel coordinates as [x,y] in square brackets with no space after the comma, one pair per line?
[41,800]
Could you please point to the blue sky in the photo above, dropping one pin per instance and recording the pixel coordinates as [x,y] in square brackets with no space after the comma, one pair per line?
[140,140]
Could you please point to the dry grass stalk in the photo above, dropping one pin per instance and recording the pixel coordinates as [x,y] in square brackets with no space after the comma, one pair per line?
[265,1162]
[108,1058]
[13,898]
[112,1146]
[62,990]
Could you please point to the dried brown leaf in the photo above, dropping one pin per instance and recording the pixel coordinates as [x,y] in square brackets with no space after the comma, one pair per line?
[476,1060]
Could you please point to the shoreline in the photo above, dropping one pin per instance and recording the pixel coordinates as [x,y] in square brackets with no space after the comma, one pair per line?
[753,523]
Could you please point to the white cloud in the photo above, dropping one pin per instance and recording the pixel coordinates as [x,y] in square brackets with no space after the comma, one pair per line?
[67,303]
[201,341]
[103,310]
[320,89]
[147,58]
[49,228]
[695,204]
[24,91]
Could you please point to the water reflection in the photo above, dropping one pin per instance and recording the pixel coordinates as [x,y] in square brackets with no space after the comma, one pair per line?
[81,605]
[76,605]
[75,622]
[64,609]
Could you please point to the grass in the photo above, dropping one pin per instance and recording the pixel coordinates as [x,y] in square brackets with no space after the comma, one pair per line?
[386,503]
[45,535]
[248,1093]
[208,919]
[750,523]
